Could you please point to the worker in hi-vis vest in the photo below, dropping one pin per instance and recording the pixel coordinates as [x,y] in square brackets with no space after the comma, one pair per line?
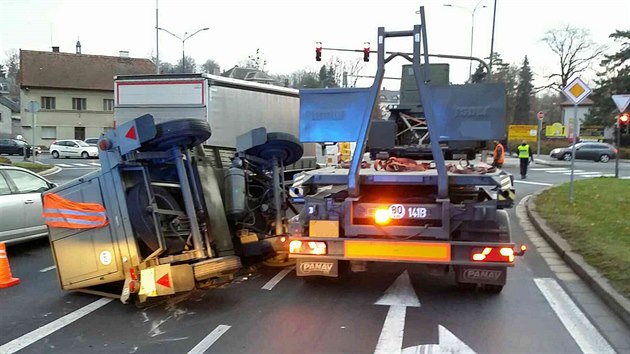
[498,155]
[524,155]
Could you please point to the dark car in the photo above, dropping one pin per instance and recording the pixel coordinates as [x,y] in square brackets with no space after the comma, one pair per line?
[586,151]
[14,147]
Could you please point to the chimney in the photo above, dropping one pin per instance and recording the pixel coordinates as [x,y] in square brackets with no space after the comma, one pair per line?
[78,47]
[55,49]
[124,53]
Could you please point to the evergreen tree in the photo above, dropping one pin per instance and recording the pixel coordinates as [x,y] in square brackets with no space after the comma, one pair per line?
[522,109]
[614,79]
[508,75]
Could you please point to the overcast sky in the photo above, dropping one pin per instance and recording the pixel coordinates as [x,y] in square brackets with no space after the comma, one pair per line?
[286,31]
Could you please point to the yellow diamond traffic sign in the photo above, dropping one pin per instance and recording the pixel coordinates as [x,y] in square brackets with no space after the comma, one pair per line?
[576,91]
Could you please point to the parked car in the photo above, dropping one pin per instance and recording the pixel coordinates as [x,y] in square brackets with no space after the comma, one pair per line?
[21,204]
[72,148]
[92,141]
[586,151]
[15,147]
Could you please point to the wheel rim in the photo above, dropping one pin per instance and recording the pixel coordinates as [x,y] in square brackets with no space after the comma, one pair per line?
[85,155]
[55,154]
[567,157]
[604,158]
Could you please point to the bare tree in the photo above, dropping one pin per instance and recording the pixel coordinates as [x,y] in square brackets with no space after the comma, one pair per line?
[575,51]
[351,67]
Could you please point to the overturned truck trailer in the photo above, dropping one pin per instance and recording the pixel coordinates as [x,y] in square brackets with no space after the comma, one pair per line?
[160,216]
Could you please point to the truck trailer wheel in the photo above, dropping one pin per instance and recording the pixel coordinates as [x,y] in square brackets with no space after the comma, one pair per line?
[181,132]
[283,146]
[142,218]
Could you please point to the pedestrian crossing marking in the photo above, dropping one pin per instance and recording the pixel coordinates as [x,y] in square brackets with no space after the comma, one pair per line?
[549,169]
[564,171]
[63,165]
[80,164]
[95,164]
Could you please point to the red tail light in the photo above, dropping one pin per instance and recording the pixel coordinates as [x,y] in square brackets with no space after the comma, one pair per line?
[615,151]
[493,254]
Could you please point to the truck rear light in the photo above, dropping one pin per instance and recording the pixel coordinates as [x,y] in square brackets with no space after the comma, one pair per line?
[382,216]
[307,247]
[493,254]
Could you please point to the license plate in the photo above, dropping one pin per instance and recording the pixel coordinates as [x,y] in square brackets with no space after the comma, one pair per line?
[400,211]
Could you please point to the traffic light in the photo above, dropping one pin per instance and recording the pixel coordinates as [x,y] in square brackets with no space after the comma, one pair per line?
[623,118]
[318,51]
[366,51]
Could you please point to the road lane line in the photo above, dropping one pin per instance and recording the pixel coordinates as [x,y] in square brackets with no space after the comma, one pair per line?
[207,342]
[47,269]
[32,337]
[63,165]
[534,183]
[581,329]
[548,169]
[565,171]
[584,173]
[276,279]
[95,164]
[80,164]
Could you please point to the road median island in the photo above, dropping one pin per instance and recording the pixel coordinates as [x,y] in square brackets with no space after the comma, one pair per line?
[35,167]
[592,232]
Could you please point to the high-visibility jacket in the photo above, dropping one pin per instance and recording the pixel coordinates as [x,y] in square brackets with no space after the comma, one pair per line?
[499,153]
[523,151]
[61,212]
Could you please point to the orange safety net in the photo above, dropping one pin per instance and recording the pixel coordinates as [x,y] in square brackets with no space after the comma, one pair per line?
[61,212]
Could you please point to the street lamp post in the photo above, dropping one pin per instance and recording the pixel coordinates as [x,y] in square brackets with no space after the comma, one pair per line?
[183,39]
[472,29]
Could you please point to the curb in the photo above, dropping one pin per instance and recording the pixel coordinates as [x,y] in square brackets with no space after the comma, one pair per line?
[617,302]
[49,171]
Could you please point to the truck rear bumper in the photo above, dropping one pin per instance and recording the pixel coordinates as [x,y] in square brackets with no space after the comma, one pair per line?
[388,250]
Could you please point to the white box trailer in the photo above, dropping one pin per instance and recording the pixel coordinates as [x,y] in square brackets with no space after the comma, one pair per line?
[232,107]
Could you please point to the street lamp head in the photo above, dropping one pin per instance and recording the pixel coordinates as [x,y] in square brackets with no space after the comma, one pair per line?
[448,5]
[207,28]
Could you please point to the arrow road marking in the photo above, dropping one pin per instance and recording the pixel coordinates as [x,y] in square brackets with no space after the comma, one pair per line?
[398,296]
[447,343]
[581,329]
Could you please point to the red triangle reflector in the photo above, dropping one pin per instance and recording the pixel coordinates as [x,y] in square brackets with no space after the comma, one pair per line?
[165,281]
[131,134]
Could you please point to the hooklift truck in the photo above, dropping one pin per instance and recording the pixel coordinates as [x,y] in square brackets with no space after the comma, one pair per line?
[448,217]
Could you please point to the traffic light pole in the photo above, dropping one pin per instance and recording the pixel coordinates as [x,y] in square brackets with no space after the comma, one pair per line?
[618,150]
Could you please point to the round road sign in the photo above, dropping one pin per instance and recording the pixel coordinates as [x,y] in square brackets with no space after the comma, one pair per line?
[541,115]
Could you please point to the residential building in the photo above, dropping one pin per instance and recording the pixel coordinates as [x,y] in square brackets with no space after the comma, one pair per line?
[569,112]
[9,118]
[75,92]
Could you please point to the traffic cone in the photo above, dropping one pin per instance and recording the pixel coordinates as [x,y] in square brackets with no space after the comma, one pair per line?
[6,279]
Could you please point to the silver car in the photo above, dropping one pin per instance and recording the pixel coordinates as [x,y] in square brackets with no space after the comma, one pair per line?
[21,204]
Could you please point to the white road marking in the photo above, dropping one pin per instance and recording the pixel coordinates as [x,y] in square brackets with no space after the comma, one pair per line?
[565,171]
[548,169]
[80,164]
[63,165]
[276,279]
[47,269]
[95,164]
[534,183]
[581,329]
[391,338]
[398,296]
[207,342]
[32,337]
[584,173]
[447,343]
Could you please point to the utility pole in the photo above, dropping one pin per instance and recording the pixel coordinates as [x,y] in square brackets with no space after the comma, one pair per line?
[494,19]
[157,41]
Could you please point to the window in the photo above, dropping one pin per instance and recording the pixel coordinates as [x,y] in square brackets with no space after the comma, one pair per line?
[4,187]
[48,103]
[26,182]
[79,104]
[49,132]
[108,105]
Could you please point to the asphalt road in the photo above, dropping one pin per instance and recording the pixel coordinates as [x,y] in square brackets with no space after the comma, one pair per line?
[543,309]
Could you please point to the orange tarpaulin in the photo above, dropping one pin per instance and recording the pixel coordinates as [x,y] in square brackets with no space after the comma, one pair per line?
[60,212]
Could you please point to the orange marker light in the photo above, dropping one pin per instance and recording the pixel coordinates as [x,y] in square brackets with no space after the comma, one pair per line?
[382,216]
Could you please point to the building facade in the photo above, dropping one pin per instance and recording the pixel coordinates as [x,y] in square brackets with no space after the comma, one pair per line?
[74,92]
[9,118]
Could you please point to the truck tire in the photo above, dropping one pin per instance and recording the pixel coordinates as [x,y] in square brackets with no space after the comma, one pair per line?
[283,146]
[182,132]
[142,218]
